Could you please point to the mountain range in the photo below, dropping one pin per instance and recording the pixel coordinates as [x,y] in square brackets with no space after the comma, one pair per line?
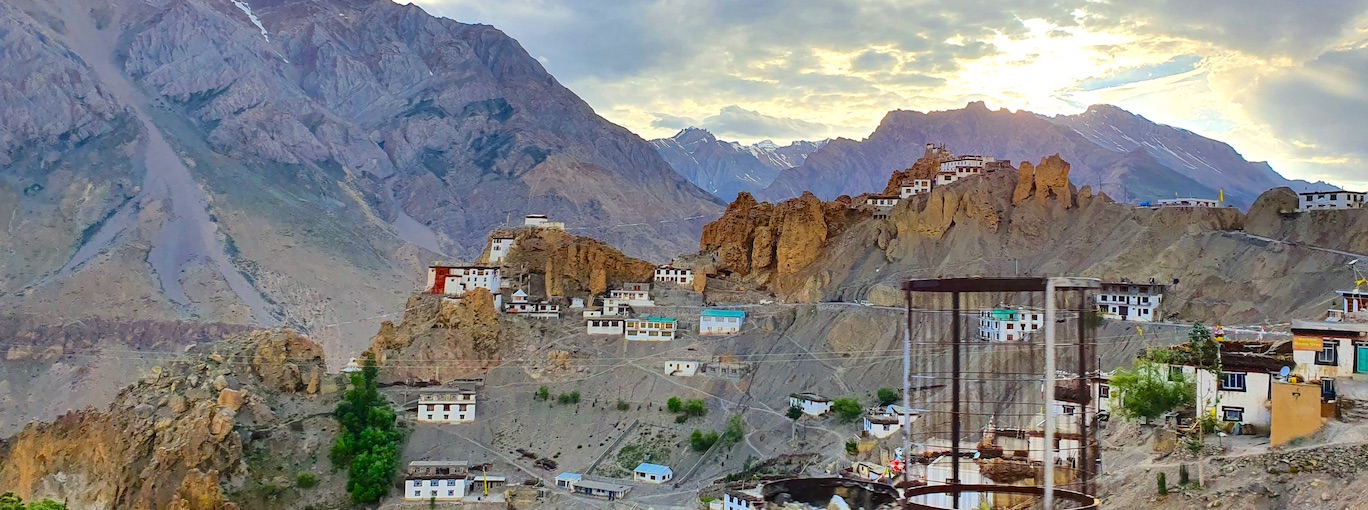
[290,162]
[727,168]
[1124,155]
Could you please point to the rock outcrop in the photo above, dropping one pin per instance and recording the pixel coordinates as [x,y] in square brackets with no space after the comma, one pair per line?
[570,265]
[925,168]
[168,441]
[752,238]
[1048,180]
[441,339]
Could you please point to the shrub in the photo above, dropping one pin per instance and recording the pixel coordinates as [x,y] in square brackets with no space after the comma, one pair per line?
[1148,390]
[887,396]
[852,447]
[674,404]
[681,418]
[701,441]
[1183,477]
[569,398]
[622,405]
[695,408]
[306,480]
[794,413]
[847,409]
[543,393]
[735,431]
[1163,484]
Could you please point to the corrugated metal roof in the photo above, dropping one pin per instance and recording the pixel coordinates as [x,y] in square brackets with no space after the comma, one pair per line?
[652,469]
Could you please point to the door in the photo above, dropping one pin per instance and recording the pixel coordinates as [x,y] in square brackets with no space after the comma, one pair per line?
[1125,312]
[1361,359]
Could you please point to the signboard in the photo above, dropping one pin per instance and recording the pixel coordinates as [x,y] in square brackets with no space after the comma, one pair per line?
[1306,343]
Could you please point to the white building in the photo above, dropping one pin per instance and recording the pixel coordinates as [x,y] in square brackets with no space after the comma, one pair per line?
[541,221]
[1130,301]
[882,201]
[499,246]
[599,326]
[1324,351]
[748,499]
[1352,302]
[885,421]
[658,329]
[519,305]
[633,294]
[1241,392]
[916,187]
[1005,324]
[436,480]
[671,274]
[720,322]
[681,368]
[611,308]
[811,403]
[1186,202]
[1317,200]
[567,480]
[940,472]
[456,280]
[652,473]
[446,405]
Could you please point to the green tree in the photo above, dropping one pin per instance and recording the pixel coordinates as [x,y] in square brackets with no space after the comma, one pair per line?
[695,408]
[794,412]
[735,431]
[887,396]
[847,409]
[674,404]
[701,441]
[9,501]
[305,480]
[1206,352]
[1147,391]
[368,444]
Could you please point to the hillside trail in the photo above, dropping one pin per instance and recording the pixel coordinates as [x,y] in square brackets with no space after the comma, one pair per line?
[1299,245]
[188,234]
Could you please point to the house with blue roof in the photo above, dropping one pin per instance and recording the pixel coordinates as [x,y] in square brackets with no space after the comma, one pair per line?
[652,473]
[720,322]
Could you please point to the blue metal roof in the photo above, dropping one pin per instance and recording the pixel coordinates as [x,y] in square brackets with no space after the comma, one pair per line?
[652,469]
[659,319]
[724,313]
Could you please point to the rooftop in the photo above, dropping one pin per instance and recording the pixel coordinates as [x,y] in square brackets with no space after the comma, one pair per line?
[569,476]
[659,319]
[811,397]
[1328,327]
[723,313]
[444,389]
[652,469]
[603,486]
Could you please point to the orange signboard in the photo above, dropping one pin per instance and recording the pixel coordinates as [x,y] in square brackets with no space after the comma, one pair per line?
[1306,343]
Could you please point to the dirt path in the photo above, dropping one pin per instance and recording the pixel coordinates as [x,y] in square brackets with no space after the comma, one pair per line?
[188,234]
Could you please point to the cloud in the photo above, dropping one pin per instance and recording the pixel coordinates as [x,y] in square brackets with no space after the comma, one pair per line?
[1223,68]
[734,122]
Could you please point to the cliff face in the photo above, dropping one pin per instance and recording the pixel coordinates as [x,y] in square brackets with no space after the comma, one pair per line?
[760,238]
[1338,229]
[439,339]
[177,437]
[1049,180]
[572,266]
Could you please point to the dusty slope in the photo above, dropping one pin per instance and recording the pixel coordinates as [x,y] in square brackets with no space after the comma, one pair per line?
[300,172]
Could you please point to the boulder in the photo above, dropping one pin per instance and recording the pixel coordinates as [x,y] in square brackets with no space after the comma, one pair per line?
[230,399]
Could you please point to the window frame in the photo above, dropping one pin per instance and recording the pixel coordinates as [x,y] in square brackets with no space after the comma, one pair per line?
[1331,346]
[1244,381]
[1226,410]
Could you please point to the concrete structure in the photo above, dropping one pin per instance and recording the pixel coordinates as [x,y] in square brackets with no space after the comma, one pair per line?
[681,368]
[938,472]
[1328,350]
[749,499]
[1351,302]
[519,305]
[567,480]
[454,280]
[1240,393]
[1184,202]
[880,425]
[659,329]
[436,480]
[576,302]
[499,246]
[633,294]
[914,187]
[671,274]
[576,483]
[652,473]
[446,405]
[812,404]
[882,200]
[720,322]
[612,307]
[1130,301]
[541,221]
[1296,412]
[609,326]
[1318,200]
[1006,324]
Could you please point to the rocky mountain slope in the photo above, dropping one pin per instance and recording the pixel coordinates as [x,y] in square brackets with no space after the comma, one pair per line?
[1123,155]
[289,162]
[727,168]
[1035,222]
[552,263]
[223,427]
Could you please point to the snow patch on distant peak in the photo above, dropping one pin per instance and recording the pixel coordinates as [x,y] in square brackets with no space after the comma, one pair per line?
[255,20]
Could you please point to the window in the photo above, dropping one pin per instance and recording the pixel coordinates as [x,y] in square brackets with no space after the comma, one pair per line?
[1327,354]
[1327,389]
[417,494]
[451,493]
[1068,410]
[1104,391]
[462,408]
[417,483]
[1232,381]
[1232,413]
[451,483]
[446,417]
[446,407]
[1011,325]
[432,483]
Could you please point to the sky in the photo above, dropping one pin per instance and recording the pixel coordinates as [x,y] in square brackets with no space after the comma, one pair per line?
[1281,81]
